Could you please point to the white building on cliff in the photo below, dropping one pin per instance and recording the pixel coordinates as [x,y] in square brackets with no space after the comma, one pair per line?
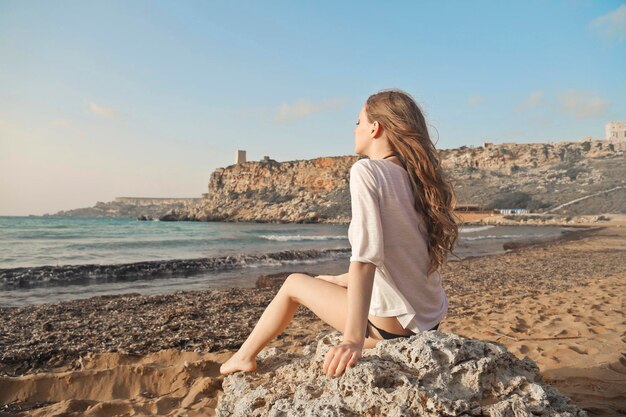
[615,130]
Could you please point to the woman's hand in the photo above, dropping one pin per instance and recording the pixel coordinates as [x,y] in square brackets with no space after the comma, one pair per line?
[338,280]
[341,357]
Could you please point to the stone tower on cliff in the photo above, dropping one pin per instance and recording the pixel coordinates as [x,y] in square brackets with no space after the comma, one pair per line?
[240,156]
[615,130]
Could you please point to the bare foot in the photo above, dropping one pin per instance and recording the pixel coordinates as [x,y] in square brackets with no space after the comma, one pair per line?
[237,363]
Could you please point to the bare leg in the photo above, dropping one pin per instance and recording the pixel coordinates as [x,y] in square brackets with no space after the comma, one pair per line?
[277,315]
[327,300]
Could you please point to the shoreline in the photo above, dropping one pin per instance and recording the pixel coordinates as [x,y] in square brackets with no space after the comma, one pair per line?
[557,303]
[271,282]
[23,277]
[41,277]
[79,282]
[567,236]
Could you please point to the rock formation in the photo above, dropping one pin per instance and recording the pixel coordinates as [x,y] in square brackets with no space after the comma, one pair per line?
[507,156]
[536,176]
[303,191]
[141,208]
[429,374]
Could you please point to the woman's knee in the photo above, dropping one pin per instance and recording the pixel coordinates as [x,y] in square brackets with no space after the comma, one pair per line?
[292,281]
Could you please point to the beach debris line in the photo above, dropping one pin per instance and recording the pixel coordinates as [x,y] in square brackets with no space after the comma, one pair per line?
[44,276]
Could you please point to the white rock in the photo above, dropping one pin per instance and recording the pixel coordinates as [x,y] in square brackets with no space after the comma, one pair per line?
[429,374]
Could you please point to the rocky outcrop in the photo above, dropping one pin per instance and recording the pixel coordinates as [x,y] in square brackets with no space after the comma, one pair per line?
[303,191]
[535,176]
[429,374]
[511,156]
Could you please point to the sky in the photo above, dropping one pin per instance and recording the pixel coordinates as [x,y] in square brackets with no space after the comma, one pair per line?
[104,99]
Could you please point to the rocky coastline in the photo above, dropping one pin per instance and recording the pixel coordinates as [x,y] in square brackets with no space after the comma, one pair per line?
[566,178]
[585,177]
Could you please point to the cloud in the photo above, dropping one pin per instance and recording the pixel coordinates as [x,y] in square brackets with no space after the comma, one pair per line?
[611,25]
[533,100]
[107,112]
[475,100]
[582,104]
[304,108]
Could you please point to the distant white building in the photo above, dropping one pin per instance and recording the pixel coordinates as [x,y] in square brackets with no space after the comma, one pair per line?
[513,211]
[240,156]
[615,130]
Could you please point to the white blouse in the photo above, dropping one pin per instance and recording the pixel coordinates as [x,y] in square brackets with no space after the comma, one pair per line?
[385,231]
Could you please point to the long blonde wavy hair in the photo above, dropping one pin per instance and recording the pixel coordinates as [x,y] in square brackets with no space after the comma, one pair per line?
[405,128]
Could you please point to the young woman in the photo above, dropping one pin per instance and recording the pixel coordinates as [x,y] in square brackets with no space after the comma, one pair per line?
[402,228]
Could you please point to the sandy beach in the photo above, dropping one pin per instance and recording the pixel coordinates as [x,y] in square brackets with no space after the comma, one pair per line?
[557,303]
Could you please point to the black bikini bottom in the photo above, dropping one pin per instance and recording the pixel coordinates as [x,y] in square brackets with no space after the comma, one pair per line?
[387,335]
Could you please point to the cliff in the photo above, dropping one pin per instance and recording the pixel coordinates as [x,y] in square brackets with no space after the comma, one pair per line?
[124,207]
[511,156]
[302,191]
[535,176]
[542,177]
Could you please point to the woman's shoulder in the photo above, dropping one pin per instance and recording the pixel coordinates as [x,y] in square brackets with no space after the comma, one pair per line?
[363,169]
[376,168]
[363,165]
[363,162]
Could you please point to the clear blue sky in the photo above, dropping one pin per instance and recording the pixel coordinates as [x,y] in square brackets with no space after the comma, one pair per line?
[101,99]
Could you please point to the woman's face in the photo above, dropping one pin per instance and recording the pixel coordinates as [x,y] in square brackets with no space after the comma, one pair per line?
[362,133]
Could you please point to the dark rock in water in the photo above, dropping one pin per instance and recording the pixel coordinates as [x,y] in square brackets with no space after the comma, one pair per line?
[429,374]
[143,217]
[171,216]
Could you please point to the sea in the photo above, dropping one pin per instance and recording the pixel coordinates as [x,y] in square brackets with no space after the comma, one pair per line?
[46,259]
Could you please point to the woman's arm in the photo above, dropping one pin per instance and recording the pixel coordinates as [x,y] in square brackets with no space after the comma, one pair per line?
[360,282]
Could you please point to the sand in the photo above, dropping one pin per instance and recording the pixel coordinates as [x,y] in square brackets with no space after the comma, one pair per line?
[576,337]
[559,304]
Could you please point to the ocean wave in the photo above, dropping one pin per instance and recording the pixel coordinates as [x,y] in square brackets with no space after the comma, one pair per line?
[475,229]
[44,276]
[285,238]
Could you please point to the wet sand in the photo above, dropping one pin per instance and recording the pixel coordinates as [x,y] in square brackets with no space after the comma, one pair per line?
[558,303]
